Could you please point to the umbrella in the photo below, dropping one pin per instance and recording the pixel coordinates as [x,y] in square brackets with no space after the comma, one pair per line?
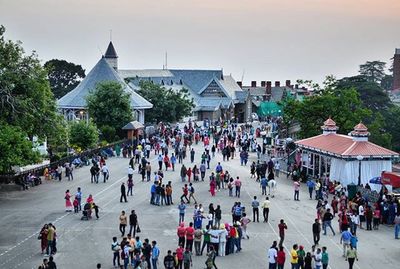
[375,180]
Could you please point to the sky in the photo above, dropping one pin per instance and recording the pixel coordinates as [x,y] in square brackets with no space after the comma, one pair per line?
[254,39]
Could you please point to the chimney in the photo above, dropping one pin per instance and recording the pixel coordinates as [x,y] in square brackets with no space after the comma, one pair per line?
[254,83]
[263,83]
[239,83]
[277,83]
[268,87]
[288,83]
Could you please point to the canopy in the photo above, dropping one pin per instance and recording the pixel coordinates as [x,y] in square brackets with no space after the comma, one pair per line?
[269,109]
[375,180]
[133,125]
[390,178]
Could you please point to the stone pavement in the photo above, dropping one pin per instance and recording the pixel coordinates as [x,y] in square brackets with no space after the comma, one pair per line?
[82,244]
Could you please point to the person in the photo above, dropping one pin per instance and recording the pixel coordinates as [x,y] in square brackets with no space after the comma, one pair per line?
[105,172]
[182,209]
[179,255]
[181,232]
[222,240]
[133,223]
[44,264]
[115,248]
[296,185]
[238,185]
[51,264]
[96,210]
[43,237]
[301,254]
[191,193]
[327,219]
[294,259]
[397,226]
[310,186]
[282,227]
[123,193]
[50,239]
[324,258]
[263,185]
[308,261]
[189,236]
[281,257]
[169,261]
[206,240]
[68,204]
[218,215]
[126,253]
[361,215]
[316,230]
[318,259]
[130,186]
[187,259]
[122,223]
[211,255]
[185,192]
[244,221]
[351,256]
[345,240]
[155,252]
[130,172]
[197,240]
[78,196]
[272,256]
[255,204]
[265,206]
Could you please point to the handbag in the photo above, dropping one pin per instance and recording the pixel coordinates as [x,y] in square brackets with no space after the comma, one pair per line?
[138,229]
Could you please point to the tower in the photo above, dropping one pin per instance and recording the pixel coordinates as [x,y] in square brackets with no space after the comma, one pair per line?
[396,70]
[111,56]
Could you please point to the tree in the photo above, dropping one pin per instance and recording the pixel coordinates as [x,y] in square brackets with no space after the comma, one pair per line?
[168,105]
[378,132]
[109,105]
[392,121]
[83,135]
[387,82]
[63,76]
[15,148]
[373,71]
[25,96]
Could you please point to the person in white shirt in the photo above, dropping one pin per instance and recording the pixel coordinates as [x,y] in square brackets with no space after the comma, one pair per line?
[130,172]
[222,240]
[318,259]
[105,172]
[272,255]
[361,215]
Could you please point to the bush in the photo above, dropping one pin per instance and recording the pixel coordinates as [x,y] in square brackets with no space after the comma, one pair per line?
[83,135]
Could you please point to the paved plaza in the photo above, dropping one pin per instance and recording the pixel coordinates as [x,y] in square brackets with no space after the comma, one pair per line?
[83,244]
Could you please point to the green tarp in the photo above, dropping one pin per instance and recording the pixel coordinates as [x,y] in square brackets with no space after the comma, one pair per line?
[269,109]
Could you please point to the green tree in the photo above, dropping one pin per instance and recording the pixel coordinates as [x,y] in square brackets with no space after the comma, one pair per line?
[378,132]
[387,82]
[25,96]
[15,148]
[373,71]
[63,76]
[392,121]
[83,135]
[168,105]
[109,105]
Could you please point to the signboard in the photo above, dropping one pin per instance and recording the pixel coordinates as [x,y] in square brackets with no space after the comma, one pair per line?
[371,196]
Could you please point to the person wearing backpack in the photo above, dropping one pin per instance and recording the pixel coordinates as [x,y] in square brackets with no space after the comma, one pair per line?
[115,248]
[191,193]
[187,259]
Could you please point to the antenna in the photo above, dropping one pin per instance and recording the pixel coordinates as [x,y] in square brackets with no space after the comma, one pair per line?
[110,35]
[243,74]
[166,59]
[98,47]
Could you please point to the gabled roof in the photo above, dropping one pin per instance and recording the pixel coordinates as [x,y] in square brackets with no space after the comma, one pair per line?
[110,52]
[101,72]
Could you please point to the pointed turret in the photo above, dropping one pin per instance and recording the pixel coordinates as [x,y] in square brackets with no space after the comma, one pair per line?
[360,132]
[111,56]
[329,127]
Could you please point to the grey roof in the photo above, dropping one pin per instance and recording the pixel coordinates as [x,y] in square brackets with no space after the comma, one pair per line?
[133,125]
[241,96]
[101,72]
[110,52]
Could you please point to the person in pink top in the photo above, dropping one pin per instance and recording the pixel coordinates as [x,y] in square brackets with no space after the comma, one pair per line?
[238,185]
[212,187]
[296,185]
[181,232]
[189,236]
[179,256]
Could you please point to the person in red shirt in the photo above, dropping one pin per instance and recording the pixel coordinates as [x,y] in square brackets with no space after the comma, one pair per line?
[166,162]
[179,255]
[189,173]
[181,232]
[189,236]
[282,227]
[280,259]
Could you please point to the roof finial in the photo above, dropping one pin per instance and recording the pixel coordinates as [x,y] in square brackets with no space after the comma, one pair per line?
[110,35]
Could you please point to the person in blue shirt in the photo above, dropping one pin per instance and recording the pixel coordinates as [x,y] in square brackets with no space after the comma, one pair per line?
[173,161]
[218,169]
[353,241]
[310,185]
[263,184]
[182,209]
[345,240]
[153,193]
[155,252]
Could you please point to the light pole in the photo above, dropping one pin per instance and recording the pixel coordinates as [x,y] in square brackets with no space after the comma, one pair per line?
[359,158]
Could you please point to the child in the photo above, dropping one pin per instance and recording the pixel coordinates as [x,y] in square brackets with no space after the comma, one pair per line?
[96,210]
[76,205]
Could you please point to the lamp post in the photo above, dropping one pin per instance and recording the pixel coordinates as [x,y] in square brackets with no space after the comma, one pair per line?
[359,158]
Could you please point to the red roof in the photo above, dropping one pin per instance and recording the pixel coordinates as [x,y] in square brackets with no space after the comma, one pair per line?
[344,146]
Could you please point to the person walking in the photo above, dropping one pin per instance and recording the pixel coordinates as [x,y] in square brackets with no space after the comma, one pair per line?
[191,193]
[265,206]
[185,192]
[206,240]
[351,256]
[318,259]
[187,259]
[123,193]
[316,230]
[133,223]
[296,185]
[281,258]
[273,255]
[282,227]
[105,172]
[169,260]
[123,221]
[116,248]
[324,258]
[255,204]
[238,185]
[155,253]
[326,221]
[130,186]
[198,234]
[345,240]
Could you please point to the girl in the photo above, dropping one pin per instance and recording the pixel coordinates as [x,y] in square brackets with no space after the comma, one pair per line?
[68,204]
[212,187]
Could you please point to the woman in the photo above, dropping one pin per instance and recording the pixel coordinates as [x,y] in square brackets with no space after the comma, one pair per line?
[68,204]
[253,170]
[308,261]
[351,255]
[195,172]
[189,173]
[43,237]
[377,217]
[212,187]
[130,186]
[90,200]
[217,215]
[281,257]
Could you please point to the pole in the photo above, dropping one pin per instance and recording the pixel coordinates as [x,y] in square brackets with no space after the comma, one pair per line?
[359,173]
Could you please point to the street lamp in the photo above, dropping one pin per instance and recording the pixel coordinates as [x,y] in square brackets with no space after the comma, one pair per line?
[359,158]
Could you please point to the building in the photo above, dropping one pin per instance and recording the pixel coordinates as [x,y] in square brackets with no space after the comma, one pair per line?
[73,104]
[346,158]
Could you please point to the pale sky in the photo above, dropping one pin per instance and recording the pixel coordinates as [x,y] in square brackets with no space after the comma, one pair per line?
[267,39]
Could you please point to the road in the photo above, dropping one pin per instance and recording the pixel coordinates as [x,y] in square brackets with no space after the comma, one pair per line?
[82,244]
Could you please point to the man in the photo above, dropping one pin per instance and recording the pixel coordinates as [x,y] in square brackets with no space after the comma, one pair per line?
[255,204]
[123,193]
[187,259]
[272,255]
[345,240]
[197,241]
[265,207]
[296,185]
[133,222]
[294,258]
[189,236]
[327,218]
[50,240]
[183,173]
[397,226]
[51,264]
[169,260]
[191,193]
[130,172]
[206,239]
[282,227]
[263,185]
[238,185]
[78,196]
[318,259]
[361,215]
[155,252]
[324,258]
[182,209]
[105,172]
[310,186]
[316,229]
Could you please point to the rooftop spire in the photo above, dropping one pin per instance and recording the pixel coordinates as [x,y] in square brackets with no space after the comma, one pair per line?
[110,52]
[329,127]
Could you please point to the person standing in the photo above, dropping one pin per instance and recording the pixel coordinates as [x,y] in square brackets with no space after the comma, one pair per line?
[282,227]
[397,226]
[50,239]
[123,193]
[218,215]
[310,186]
[189,236]
[255,204]
[316,230]
[296,185]
[169,260]
[133,223]
[160,161]
[273,255]
[197,240]
[206,239]
[123,221]
[265,206]
[115,247]
[130,172]
[192,152]
[183,173]
[182,209]
[179,256]
[181,232]
[43,237]
[105,172]
[361,215]
[187,259]
[281,258]
[130,186]
[155,252]
[294,259]
[324,258]
[318,259]
[351,256]
[68,204]
[238,185]
[78,196]
[51,264]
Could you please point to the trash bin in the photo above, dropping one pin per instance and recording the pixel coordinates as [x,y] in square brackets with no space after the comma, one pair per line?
[352,190]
